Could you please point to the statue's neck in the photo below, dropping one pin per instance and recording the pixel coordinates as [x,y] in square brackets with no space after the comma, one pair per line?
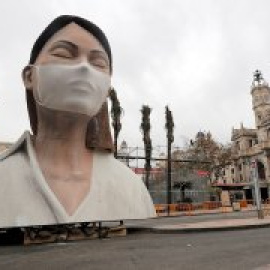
[61,137]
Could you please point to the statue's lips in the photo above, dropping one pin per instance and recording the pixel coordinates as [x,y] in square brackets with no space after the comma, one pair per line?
[84,86]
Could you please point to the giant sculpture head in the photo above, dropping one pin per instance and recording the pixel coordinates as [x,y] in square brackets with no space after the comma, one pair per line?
[51,177]
[71,40]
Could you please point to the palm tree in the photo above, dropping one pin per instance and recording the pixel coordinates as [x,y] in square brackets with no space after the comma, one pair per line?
[182,186]
[169,126]
[145,129]
[116,112]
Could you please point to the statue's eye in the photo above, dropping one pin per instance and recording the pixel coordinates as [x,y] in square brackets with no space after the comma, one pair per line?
[99,62]
[62,52]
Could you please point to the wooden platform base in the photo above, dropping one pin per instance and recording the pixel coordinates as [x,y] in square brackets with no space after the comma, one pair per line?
[60,233]
[66,233]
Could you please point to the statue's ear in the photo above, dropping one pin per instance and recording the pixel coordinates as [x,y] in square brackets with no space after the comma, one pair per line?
[27,76]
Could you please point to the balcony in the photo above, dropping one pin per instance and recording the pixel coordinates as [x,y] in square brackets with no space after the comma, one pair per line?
[265,145]
[248,152]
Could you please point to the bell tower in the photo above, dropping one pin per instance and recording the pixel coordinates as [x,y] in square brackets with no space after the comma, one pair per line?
[260,92]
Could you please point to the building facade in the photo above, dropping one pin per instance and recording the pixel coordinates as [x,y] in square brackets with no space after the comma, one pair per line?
[249,145]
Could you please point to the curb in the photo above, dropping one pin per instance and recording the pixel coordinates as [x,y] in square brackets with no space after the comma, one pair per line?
[203,214]
[134,230]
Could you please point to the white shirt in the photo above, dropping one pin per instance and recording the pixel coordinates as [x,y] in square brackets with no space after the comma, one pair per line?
[26,199]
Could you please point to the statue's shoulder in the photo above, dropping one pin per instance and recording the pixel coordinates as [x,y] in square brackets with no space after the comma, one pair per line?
[119,175]
[116,167]
[126,189]
[13,166]
[14,148]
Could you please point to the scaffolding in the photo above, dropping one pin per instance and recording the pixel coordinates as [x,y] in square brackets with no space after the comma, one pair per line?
[187,184]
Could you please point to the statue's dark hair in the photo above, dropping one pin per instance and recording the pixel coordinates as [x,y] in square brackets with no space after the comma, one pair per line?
[98,131]
[62,21]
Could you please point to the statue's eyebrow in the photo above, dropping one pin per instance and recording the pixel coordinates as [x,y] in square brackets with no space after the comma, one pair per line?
[64,44]
[99,53]
[74,48]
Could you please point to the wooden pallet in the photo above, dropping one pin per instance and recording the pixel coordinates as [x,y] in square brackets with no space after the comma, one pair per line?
[54,234]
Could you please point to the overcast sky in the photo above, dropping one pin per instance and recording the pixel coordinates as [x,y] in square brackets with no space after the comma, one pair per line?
[197,56]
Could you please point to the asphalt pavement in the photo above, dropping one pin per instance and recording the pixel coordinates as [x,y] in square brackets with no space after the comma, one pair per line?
[160,243]
[232,250]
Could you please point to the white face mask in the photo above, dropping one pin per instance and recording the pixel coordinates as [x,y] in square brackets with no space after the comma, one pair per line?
[78,88]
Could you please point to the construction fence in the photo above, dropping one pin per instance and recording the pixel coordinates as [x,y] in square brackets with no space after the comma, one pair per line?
[210,207]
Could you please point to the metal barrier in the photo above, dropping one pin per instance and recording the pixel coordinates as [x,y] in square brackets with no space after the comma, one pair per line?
[206,207]
[188,209]
[266,207]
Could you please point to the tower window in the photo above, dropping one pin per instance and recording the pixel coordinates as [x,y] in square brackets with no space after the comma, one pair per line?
[265,98]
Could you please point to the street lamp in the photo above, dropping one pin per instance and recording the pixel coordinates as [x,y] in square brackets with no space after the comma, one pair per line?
[254,173]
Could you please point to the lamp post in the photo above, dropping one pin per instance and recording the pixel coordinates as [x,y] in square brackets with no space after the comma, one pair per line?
[255,178]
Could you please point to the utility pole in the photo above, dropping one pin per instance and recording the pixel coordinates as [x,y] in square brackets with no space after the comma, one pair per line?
[255,178]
